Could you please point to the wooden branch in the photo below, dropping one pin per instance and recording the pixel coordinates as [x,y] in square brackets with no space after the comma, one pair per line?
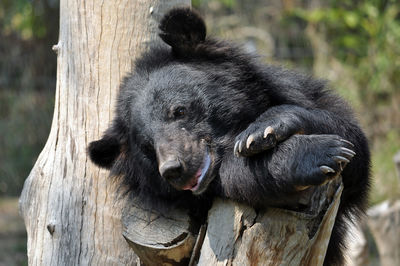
[237,234]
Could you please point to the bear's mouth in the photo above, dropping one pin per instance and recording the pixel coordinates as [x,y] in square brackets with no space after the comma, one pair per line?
[195,182]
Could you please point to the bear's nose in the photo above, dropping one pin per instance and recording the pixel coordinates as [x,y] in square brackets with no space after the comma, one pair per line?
[170,169]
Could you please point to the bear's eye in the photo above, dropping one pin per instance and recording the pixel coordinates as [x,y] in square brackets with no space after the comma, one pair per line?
[179,112]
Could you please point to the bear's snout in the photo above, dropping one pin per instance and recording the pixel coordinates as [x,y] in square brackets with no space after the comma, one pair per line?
[181,160]
[171,168]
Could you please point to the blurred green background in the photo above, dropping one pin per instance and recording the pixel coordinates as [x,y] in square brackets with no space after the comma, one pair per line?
[353,44]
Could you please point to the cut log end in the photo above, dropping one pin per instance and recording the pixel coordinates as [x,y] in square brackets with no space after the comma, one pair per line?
[236,233]
[160,239]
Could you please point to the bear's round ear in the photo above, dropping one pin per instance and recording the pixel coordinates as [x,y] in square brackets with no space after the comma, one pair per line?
[104,152]
[182,29]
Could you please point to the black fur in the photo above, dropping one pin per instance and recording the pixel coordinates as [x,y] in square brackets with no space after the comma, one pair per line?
[104,151]
[196,104]
[182,29]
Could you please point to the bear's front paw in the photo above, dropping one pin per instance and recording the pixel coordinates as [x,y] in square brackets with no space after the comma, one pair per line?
[320,160]
[262,136]
[255,139]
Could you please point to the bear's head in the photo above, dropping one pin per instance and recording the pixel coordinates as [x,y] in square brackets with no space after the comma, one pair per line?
[179,111]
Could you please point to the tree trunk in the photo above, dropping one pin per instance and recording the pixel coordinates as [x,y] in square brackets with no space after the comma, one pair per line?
[236,234]
[68,204]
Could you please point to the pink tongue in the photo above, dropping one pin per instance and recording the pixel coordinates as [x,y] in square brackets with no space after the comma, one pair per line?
[193,182]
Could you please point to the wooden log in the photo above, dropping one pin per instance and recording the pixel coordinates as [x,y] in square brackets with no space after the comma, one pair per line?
[238,235]
[159,239]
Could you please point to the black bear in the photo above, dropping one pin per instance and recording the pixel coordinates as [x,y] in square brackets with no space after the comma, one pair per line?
[199,118]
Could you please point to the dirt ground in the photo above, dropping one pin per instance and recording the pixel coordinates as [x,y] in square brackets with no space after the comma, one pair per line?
[12,234]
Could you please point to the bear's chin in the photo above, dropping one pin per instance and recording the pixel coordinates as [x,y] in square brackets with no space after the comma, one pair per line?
[197,181]
[205,181]
[203,177]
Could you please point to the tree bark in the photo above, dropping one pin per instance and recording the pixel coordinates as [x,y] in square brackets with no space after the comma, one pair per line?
[236,234]
[159,239]
[68,204]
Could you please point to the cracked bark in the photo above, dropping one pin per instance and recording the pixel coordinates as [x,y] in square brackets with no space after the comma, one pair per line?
[238,235]
[68,204]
